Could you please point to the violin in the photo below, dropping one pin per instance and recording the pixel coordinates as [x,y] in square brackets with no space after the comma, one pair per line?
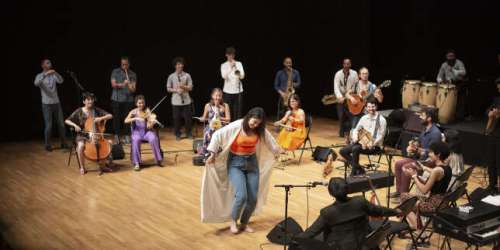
[149,117]
[96,147]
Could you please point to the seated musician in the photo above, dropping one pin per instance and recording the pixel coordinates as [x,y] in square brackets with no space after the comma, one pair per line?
[142,124]
[430,192]
[344,224]
[363,88]
[429,135]
[374,124]
[293,135]
[216,114]
[77,120]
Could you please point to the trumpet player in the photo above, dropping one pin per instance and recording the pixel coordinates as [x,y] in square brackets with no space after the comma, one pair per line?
[374,124]
[232,72]
[180,84]
[123,82]
[285,80]
[344,79]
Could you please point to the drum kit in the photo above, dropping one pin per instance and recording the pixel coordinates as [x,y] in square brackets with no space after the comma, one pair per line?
[442,96]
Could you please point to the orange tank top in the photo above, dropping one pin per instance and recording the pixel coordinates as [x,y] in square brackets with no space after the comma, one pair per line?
[244,144]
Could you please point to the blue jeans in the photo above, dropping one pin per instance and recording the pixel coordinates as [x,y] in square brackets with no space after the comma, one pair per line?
[51,111]
[243,173]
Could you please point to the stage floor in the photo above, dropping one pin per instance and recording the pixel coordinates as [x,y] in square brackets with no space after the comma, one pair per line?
[49,205]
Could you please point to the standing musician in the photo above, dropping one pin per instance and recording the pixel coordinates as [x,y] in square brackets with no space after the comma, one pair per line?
[344,80]
[216,114]
[363,88]
[232,72]
[47,81]
[180,84]
[375,125]
[123,82]
[293,134]
[493,132]
[143,122]
[79,119]
[345,223]
[287,80]
[452,70]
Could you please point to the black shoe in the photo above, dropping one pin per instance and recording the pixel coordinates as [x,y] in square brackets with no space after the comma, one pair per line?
[48,148]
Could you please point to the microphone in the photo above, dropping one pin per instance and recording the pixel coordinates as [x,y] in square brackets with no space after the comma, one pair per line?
[318,183]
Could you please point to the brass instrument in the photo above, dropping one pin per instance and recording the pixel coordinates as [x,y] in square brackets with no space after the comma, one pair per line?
[181,84]
[329,99]
[365,138]
[290,90]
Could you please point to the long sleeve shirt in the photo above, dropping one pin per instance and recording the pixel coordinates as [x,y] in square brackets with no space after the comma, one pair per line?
[343,83]
[173,82]
[427,137]
[48,86]
[449,73]
[368,122]
[281,79]
[232,82]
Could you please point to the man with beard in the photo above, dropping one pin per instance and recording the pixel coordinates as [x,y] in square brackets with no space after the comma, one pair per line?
[453,72]
[429,135]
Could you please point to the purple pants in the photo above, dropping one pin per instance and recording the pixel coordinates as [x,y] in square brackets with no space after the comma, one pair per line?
[139,135]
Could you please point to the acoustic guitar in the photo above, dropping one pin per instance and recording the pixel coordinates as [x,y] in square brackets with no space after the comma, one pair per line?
[361,99]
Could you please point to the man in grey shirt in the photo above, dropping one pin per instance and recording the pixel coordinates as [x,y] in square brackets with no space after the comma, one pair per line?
[180,84]
[451,71]
[47,81]
[123,82]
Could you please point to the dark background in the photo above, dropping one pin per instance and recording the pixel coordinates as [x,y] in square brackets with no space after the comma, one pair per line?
[394,39]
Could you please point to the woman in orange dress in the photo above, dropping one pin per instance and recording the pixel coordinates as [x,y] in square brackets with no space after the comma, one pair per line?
[293,134]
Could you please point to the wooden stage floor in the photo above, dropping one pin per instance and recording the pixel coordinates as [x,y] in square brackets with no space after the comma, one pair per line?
[47,205]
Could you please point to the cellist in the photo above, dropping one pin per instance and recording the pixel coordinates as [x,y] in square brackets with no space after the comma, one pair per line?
[78,119]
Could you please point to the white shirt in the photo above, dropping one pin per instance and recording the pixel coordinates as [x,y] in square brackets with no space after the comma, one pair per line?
[368,122]
[448,73]
[340,87]
[232,82]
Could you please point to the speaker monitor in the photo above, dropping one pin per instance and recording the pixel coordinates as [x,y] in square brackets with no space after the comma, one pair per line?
[277,234]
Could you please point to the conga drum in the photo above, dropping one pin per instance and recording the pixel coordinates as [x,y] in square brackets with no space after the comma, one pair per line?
[428,92]
[410,92]
[446,102]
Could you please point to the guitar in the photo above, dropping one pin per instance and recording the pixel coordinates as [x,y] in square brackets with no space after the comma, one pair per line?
[357,108]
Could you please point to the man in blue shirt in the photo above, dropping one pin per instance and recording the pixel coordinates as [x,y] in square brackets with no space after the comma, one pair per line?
[283,78]
[429,135]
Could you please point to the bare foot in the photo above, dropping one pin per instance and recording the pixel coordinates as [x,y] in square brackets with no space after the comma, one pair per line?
[246,228]
[234,227]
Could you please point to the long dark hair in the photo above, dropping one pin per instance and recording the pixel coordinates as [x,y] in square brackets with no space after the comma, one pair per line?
[212,93]
[296,98]
[256,113]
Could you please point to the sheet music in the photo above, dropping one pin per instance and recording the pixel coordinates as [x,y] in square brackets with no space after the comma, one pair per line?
[493,200]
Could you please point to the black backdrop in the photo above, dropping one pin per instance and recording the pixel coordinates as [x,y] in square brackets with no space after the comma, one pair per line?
[394,39]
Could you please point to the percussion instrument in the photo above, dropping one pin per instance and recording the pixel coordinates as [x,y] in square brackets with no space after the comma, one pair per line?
[446,102]
[427,93]
[410,92]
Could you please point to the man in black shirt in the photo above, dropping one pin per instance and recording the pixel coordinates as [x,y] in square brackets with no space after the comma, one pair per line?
[493,132]
[344,224]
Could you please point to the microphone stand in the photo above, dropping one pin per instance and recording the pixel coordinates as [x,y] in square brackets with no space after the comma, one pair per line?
[287,188]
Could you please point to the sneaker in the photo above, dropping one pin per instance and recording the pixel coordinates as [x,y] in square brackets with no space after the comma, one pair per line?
[48,148]
[127,139]
[396,200]
[137,168]
[394,195]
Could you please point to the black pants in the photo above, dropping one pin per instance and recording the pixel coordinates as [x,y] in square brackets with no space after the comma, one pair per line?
[493,161]
[351,154]
[235,103]
[344,123]
[120,112]
[182,113]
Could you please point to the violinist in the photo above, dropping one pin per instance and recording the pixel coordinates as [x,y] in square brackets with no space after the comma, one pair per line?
[293,134]
[79,120]
[142,122]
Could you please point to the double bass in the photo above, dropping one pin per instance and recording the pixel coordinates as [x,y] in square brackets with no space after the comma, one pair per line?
[97,148]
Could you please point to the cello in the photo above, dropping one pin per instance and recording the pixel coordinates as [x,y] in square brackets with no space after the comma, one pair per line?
[96,147]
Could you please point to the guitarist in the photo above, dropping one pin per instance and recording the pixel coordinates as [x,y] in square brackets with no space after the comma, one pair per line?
[493,133]
[376,125]
[344,79]
[363,88]
[282,79]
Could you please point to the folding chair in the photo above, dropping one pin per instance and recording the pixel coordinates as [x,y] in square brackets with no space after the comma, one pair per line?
[308,126]
[448,200]
[372,166]
[375,238]
[460,179]
[397,227]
